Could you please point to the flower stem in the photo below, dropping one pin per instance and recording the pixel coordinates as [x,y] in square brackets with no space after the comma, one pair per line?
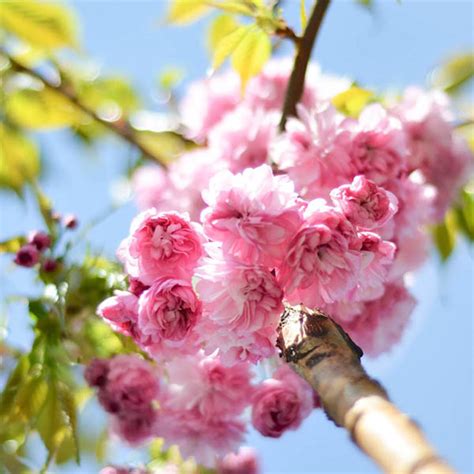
[325,356]
[305,46]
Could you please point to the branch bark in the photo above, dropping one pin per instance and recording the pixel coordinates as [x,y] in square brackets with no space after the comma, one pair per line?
[122,128]
[323,354]
[305,46]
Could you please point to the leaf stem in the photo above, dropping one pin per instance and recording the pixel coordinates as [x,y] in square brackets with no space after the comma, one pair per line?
[296,82]
[120,127]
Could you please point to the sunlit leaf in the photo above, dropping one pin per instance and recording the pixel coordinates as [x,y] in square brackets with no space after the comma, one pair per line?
[167,145]
[228,44]
[239,7]
[444,235]
[32,396]
[14,382]
[251,54]
[222,26]
[465,213]
[19,159]
[181,12]
[70,410]
[303,17]
[170,77]
[41,109]
[352,101]
[454,73]
[12,245]
[467,132]
[43,24]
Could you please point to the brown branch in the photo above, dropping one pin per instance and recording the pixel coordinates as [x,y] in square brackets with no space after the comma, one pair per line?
[120,127]
[285,31]
[296,82]
[324,355]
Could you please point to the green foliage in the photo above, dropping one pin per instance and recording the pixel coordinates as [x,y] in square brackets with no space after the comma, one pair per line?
[453,74]
[444,236]
[182,12]
[353,100]
[45,25]
[12,245]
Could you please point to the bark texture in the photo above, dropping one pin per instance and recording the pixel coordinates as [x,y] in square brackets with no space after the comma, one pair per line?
[323,354]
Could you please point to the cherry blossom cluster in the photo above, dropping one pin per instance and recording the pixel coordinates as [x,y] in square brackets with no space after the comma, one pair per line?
[330,213]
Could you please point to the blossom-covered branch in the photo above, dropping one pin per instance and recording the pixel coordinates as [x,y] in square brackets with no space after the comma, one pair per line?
[324,355]
[120,127]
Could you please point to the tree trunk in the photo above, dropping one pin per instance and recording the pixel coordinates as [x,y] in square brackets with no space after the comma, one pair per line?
[321,352]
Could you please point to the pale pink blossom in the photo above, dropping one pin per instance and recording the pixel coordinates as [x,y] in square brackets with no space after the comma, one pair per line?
[239,299]
[120,311]
[242,138]
[252,213]
[365,204]
[123,470]
[281,403]
[382,322]
[378,144]
[243,462]
[204,383]
[207,101]
[161,244]
[167,315]
[152,188]
[322,263]
[314,151]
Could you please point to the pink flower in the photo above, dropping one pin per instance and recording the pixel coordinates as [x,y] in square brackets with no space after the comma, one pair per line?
[206,103]
[96,372]
[167,315]
[243,137]
[241,300]
[382,322]
[322,263]
[314,151]
[160,244]
[253,214]
[281,403]
[41,240]
[28,256]
[135,427]
[364,203]
[205,384]
[120,311]
[378,144]
[243,462]
[123,470]
[151,187]
[206,439]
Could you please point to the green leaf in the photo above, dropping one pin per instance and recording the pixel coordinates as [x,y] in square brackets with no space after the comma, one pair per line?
[221,26]
[170,77]
[31,397]
[465,212]
[352,101]
[70,410]
[19,159]
[41,109]
[251,55]
[444,235]
[12,245]
[167,145]
[228,44]
[45,207]
[46,25]
[15,381]
[181,12]
[303,17]
[454,73]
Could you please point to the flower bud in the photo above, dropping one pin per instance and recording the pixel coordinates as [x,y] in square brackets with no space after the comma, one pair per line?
[41,240]
[50,265]
[27,256]
[70,221]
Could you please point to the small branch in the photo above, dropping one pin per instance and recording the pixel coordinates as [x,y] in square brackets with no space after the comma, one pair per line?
[121,128]
[324,355]
[286,32]
[296,82]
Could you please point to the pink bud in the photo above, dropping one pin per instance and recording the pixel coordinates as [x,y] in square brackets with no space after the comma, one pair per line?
[27,256]
[96,372]
[50,265]
[70,221]
[41,240]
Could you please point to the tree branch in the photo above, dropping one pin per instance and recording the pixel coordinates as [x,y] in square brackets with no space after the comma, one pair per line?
[121,127]
[324,355]
[296,82]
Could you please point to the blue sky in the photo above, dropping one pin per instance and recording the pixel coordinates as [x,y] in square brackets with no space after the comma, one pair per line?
[430,376]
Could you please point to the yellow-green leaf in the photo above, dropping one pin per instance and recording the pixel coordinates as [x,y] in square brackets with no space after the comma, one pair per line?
[251,54]
[444,235]
[167,145]
[465,212]
[19,159]
[455,72]
[352,101]
[32,396]
[303,17]
[228,44]
[222,26]
[181,12]
[43,24]
[12,245]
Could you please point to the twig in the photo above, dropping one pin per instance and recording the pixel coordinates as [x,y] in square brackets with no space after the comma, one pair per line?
[296,82]
[286,32]
[120,127]
[324,355]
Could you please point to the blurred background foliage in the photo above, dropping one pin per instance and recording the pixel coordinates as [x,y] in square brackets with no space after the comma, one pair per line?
[50,83]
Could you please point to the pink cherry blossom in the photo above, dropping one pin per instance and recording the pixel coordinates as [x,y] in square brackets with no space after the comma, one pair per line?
[322,264]
[243,462]
[135,427]
[252,213]
[28,256]
[41,240]
[167,315]
[160,244]
[281,403]
[314,151]
[96,372]
[123,470]
[242,139]
[381,323]
[365,204]
[206,103]
[120,311]
[205,384]
[151,187]
[378,144]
